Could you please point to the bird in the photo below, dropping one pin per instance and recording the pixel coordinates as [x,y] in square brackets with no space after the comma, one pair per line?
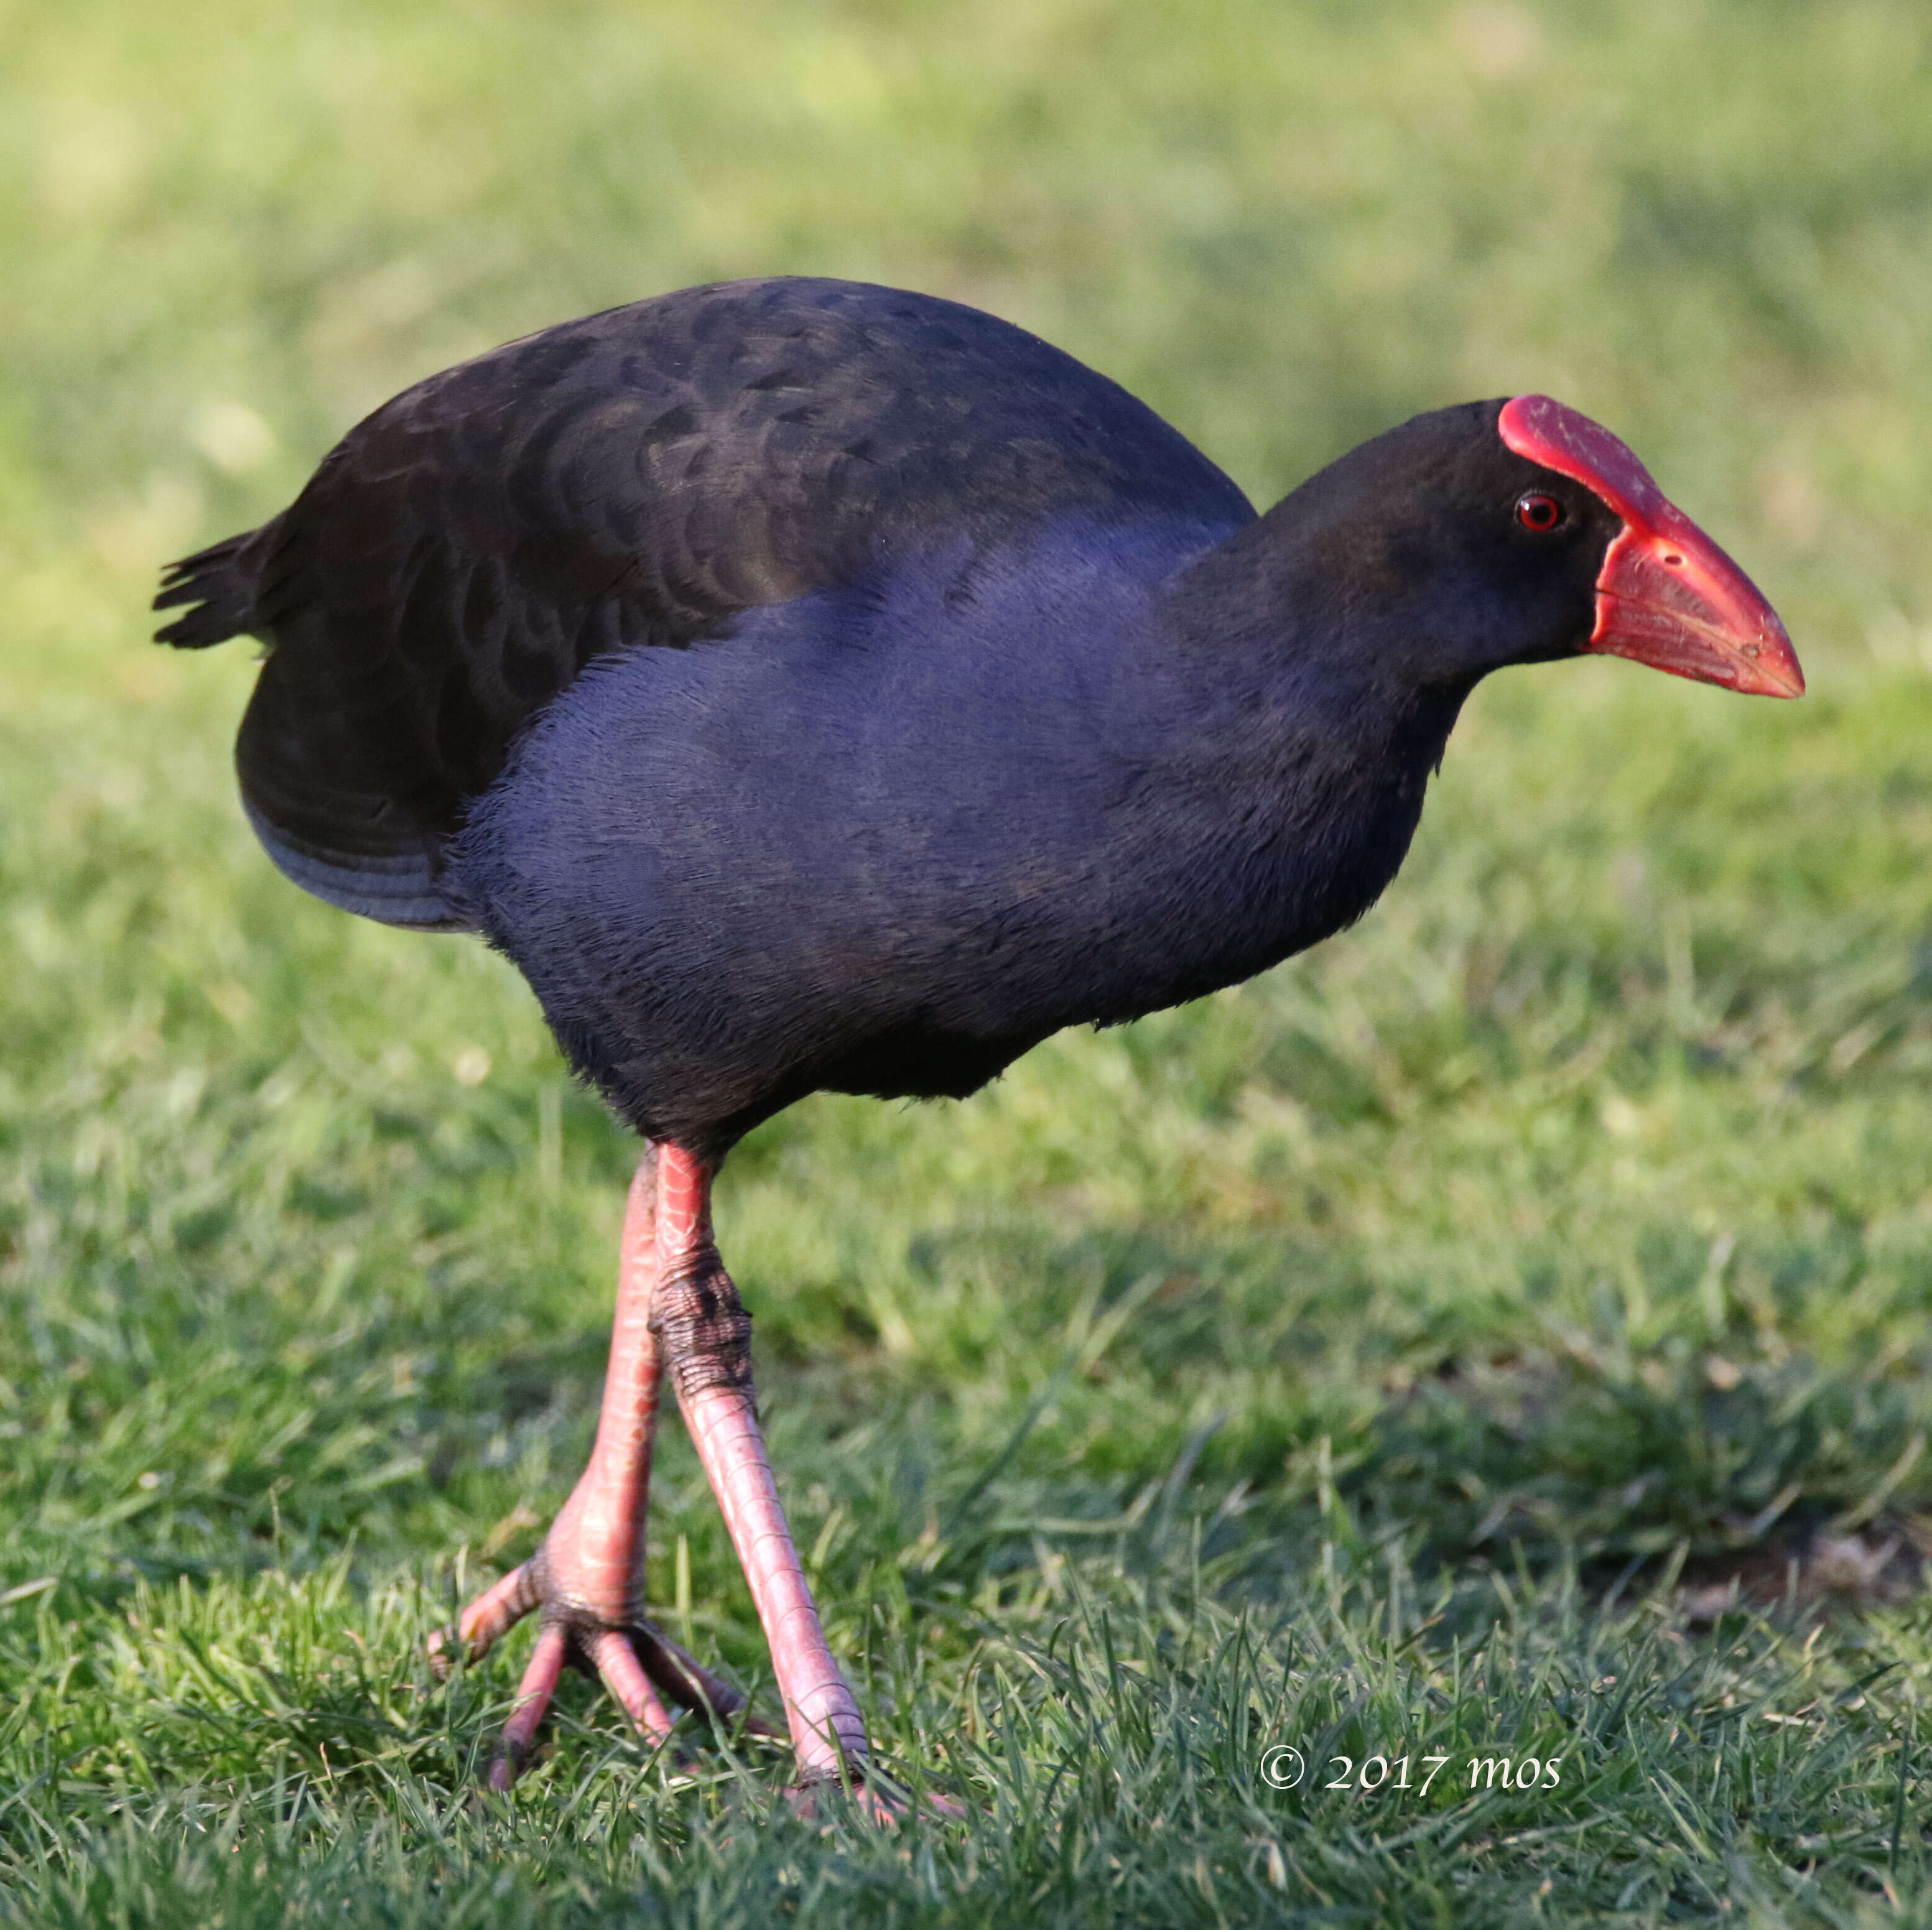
[812,685]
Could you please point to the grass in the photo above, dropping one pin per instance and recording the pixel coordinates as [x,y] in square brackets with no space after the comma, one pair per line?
[1501,1333]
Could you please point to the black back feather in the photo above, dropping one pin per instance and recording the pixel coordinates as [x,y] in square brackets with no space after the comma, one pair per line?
[638,477]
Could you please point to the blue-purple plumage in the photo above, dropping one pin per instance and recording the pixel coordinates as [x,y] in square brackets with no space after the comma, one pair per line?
[810,684]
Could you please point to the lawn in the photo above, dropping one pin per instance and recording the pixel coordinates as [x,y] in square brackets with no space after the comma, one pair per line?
[1502,1333]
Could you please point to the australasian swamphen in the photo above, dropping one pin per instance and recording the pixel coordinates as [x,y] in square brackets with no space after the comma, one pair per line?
[811,685]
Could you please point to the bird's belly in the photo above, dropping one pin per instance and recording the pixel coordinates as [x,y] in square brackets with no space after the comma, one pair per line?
[919,1060]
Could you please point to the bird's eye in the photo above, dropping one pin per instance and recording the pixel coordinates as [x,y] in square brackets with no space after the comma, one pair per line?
[1538,512]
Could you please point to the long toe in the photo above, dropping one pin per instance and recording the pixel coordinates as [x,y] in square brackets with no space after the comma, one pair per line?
[533,1695]
[688,1684]
[810,1798]
[491,1615]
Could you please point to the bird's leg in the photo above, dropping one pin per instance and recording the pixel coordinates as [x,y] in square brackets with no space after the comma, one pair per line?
[587,1580]
[705,1336]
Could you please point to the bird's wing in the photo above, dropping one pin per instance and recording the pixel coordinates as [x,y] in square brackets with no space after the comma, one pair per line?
[638,477]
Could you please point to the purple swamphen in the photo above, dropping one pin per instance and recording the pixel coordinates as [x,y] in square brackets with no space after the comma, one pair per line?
[811,685]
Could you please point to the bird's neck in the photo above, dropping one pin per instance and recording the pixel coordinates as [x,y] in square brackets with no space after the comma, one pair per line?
[1288,763]
[1284,608]
[1288,683]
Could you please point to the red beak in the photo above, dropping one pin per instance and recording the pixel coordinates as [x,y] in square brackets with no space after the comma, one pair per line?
[1666,595]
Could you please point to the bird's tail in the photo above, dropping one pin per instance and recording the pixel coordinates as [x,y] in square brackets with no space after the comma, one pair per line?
[220,581]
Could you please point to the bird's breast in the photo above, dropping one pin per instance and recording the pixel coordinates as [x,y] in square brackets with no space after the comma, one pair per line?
[841,847]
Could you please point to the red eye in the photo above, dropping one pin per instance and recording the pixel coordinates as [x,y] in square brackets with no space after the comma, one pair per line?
[1538,512]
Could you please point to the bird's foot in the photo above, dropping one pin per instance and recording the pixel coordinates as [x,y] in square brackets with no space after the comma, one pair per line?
[639,1664]
[875,1800]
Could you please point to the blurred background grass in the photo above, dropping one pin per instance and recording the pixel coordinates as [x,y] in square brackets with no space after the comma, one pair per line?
[1571,1213]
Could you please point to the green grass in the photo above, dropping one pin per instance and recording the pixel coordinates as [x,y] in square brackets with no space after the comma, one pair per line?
[1399,1355]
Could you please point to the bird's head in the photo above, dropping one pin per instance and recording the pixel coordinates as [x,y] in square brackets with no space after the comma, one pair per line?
[1665,594]
[1519,531]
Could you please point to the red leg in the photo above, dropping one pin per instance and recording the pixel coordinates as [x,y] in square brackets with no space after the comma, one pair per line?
[706,1335]
[594,1554]
[588,1578]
